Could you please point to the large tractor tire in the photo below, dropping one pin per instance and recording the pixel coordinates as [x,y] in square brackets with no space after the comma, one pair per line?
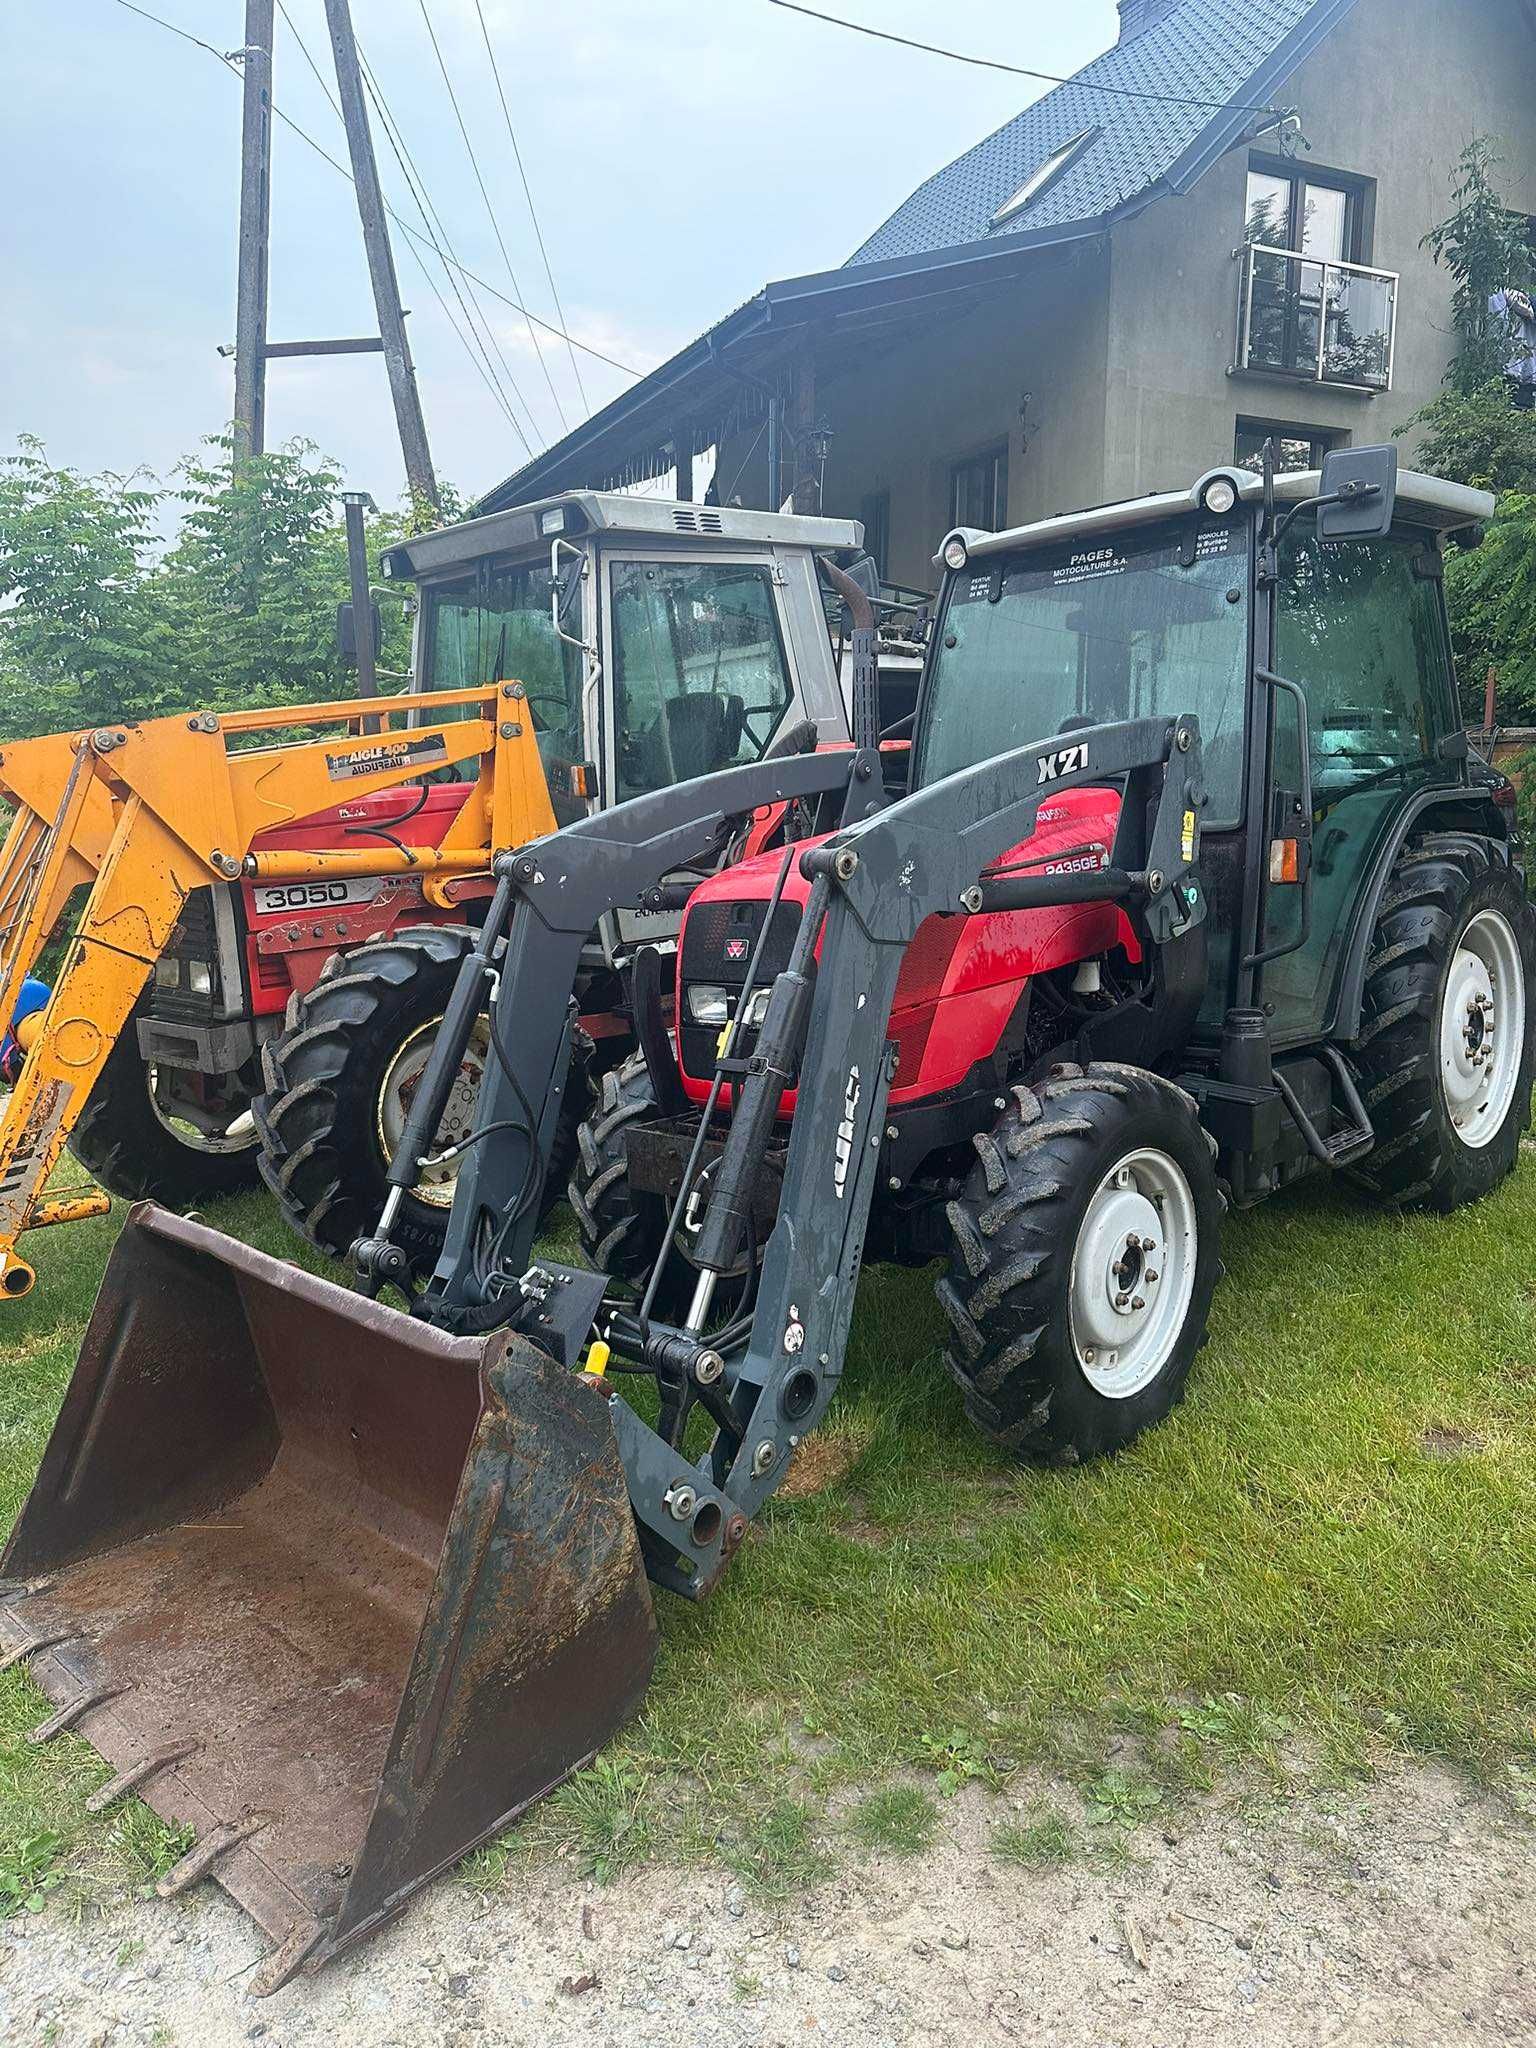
[1083,1263]
[338,1083]
[1445,1048]
[166,1134]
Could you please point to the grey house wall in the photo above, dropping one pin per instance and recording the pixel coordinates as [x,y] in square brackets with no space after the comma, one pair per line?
[1124,345]
[1393,95]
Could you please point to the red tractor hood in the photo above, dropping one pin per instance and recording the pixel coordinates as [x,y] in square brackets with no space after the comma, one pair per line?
[963,977]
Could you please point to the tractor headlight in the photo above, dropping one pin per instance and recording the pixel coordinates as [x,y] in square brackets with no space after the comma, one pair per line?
[757,1009]
[167,972]
[956,554]
[707,1004]
[200,977]
[1219,496]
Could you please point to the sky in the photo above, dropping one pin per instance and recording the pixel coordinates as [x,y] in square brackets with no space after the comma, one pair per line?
[680,153]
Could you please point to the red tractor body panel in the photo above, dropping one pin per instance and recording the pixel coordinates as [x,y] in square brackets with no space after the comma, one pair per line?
[292,928]
[962,977]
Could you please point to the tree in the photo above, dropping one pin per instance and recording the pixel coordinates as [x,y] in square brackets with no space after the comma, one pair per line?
[102,619]
[1474,433]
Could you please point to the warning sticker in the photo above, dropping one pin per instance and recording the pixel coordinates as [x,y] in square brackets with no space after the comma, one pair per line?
[1187,838]
[431,750]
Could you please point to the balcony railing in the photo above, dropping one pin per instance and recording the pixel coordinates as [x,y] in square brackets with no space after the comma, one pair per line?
[1324,323]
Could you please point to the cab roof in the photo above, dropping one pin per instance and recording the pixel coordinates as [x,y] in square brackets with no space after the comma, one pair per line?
[612,514]
[1421,500]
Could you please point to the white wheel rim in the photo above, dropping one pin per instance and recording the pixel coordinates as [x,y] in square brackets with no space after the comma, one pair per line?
[196,1128]
[1482,1029]
[403,1078]
[1133,1273]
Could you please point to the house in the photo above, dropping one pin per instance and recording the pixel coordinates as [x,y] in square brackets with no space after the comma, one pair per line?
[1212,234]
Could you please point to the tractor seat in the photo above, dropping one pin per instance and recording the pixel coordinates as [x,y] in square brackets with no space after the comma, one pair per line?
[705,732]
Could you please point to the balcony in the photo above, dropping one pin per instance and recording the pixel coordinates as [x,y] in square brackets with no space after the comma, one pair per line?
[1318,323]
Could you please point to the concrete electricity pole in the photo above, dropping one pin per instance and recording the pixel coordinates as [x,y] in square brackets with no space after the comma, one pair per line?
[381,262]
[255,218]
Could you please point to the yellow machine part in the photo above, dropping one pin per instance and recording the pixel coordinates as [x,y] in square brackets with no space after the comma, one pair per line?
[143,814]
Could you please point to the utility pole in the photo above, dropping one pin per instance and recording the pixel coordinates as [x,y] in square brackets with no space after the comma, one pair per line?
[355,504]
[255,219]
[381,262]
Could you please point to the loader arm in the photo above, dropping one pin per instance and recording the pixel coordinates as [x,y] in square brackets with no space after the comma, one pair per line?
[143,814]
[548,900]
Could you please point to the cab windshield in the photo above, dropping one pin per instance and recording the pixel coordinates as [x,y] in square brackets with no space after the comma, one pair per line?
[1150,624]
[494,626]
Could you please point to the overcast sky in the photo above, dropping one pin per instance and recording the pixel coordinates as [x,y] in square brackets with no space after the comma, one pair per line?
[680,152]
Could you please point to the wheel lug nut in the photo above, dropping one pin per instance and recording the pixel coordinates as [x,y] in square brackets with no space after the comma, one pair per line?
[1139,1302]
[1151,1277]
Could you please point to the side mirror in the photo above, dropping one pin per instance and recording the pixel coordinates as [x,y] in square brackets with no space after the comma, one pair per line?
[1362,484]
[346,631]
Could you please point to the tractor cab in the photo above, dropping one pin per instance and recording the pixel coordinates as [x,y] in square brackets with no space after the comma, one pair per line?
[656,641]
[1308,635]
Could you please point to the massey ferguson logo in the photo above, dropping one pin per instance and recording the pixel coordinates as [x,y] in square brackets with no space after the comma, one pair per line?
[842,1152]
[1065,762]
[735,949]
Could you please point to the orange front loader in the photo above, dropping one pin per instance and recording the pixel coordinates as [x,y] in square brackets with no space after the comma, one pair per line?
[143,814]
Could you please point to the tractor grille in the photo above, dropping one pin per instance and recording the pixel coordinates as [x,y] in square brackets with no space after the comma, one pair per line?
[194,939]
[718,943]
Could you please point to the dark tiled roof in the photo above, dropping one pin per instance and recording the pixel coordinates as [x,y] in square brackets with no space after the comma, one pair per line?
[1205,50]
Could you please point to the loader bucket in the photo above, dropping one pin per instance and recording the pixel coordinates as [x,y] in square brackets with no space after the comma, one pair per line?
[339,1592]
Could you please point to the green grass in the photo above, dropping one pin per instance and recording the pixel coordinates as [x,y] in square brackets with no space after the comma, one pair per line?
[1327,1552]
[900,1819]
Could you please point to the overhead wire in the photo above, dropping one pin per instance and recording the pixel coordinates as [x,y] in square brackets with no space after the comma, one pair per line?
[484,332]
[474,163]
[229,64]
[469,340]
[1124,92]
[533,212]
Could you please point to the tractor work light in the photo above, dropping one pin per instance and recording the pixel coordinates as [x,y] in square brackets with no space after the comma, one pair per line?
[552,521]
[956,553]
[1219,496]
[708,1004]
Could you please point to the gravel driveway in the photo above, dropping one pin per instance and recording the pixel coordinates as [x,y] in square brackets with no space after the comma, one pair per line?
[1394,1913]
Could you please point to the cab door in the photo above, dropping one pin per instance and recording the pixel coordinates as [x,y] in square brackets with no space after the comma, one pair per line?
[696,669]
[1360,628]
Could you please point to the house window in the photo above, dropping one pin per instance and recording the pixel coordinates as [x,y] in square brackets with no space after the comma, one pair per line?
[1309,305]
[978,490]
[1320,217]
[1045,174]
[1296,447]
[875,517]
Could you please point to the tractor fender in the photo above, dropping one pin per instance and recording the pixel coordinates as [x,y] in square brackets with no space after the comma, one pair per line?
[1460,809]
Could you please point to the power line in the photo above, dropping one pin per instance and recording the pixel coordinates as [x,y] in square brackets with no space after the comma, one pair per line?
[490,210]
[403,225]
[1124,92]
[442,245]
[471,340]
[533,212]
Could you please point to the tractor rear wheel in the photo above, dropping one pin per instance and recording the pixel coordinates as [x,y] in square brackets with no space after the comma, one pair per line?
[338,1086]
[1445,1047]
[166,1134]
[1084,1257]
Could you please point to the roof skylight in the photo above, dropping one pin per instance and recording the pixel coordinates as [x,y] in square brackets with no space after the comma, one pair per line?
[1045,174]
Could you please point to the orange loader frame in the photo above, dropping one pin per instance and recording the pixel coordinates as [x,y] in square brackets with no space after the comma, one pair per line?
[145,813]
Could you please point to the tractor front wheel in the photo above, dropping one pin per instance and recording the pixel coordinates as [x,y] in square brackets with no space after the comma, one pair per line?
[339,1080]
[166,1134]
[1084,1257]
[1445,1047]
